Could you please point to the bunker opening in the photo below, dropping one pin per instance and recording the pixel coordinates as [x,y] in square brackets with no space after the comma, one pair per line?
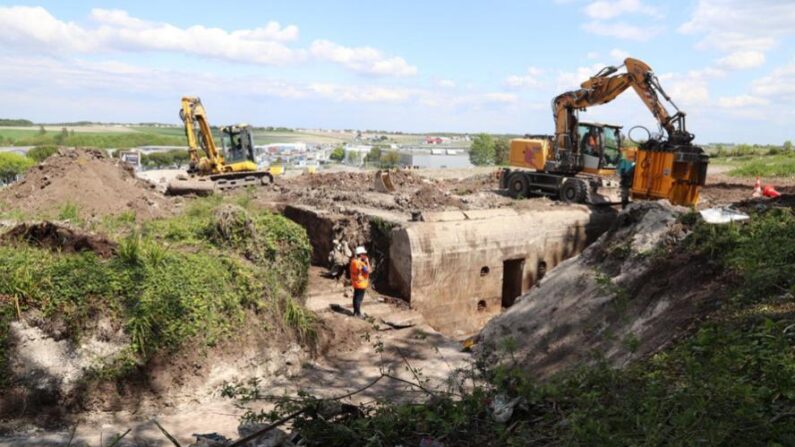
[512,272]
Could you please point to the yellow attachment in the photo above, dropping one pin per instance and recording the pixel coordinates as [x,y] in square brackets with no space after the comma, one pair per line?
[241,166]
[659,176]
[529,153]
[276,170]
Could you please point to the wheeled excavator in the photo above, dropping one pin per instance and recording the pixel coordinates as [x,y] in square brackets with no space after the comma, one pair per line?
[210,169]
[578,163]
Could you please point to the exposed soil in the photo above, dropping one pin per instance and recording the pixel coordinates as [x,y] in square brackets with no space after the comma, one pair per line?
[722,190]
[413,192]
[60,237]
[629,295]
[96,185]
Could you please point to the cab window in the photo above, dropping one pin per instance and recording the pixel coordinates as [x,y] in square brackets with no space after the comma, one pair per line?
[612,147]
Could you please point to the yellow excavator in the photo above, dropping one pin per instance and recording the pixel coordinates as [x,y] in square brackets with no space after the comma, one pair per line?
[578,164]
[210,169]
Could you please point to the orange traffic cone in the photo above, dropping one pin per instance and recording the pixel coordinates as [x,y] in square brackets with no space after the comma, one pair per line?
[771,192]
[757,188]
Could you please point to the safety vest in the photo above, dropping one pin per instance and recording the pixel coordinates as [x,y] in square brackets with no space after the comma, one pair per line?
[360,279]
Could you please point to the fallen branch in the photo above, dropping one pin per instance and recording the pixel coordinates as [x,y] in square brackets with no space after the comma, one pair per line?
[166,434]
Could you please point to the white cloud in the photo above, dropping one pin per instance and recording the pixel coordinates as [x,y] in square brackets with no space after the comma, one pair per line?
[745,29]
[571,80]
[363,59]
[778,85]
[689,92]
[731,102]
[605,9]
[741,60]
[35,27]
[24,28]
[528,80]
[622,30]
[618,55]
[348,93]
[445,83]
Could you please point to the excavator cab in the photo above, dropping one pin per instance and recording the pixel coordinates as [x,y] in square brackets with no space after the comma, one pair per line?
[238,144]
[599,147]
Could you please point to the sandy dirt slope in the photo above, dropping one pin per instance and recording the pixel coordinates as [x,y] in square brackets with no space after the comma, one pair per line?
[628,295]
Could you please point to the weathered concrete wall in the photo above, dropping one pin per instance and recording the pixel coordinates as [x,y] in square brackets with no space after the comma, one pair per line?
[450,267]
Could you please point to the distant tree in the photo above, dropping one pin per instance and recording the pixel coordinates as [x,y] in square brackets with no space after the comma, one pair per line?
[61,137]
[338,153]
[42,130]
[788,145]
[744,149]
[179,157]
[390,159]
[40,153]
[374,154]
[481,151]
[12,165]
[15,122]
[502,149]
[158,160]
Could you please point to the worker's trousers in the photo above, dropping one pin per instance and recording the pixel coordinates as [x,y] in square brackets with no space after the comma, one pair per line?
[358,297]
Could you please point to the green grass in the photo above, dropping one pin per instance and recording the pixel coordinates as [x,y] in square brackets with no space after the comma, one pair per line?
[172,282]
[769,166]
[18,137]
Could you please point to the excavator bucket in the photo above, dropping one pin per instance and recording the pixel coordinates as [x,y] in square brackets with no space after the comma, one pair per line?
[383,182]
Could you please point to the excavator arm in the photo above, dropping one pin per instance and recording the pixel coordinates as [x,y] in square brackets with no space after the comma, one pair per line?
[199,135]
[604,87]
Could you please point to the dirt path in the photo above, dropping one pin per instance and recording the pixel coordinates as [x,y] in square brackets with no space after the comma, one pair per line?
[363,350]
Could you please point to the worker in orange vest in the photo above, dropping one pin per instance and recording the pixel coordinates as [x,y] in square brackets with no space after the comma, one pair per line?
[360,278]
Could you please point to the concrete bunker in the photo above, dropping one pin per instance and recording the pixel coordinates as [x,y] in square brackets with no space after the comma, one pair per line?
[460,269]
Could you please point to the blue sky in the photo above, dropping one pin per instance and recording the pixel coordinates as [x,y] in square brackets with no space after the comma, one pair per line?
[410,65]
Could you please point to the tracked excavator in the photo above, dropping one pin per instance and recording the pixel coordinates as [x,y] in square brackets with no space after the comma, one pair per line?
[578,163]
[210,169]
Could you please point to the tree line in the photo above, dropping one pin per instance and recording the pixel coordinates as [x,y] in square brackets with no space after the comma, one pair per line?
[487,150]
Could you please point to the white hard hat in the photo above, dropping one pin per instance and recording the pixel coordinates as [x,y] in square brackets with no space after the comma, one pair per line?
[360,251]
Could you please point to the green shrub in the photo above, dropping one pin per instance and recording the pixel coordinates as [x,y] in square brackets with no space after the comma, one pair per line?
[40,153]
[13,165]
[169,284]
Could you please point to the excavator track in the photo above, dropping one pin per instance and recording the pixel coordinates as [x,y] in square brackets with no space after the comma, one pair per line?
[206,185]
[232,180]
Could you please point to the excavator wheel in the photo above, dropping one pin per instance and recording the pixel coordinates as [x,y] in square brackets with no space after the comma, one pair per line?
[518,185]
[574,191]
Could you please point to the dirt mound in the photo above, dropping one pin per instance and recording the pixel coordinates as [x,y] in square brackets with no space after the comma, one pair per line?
[355,181]
[627,296]
[60,238]
[431,197]
[94,184]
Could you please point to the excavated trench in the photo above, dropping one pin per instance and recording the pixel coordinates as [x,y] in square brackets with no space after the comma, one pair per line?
[459,269]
